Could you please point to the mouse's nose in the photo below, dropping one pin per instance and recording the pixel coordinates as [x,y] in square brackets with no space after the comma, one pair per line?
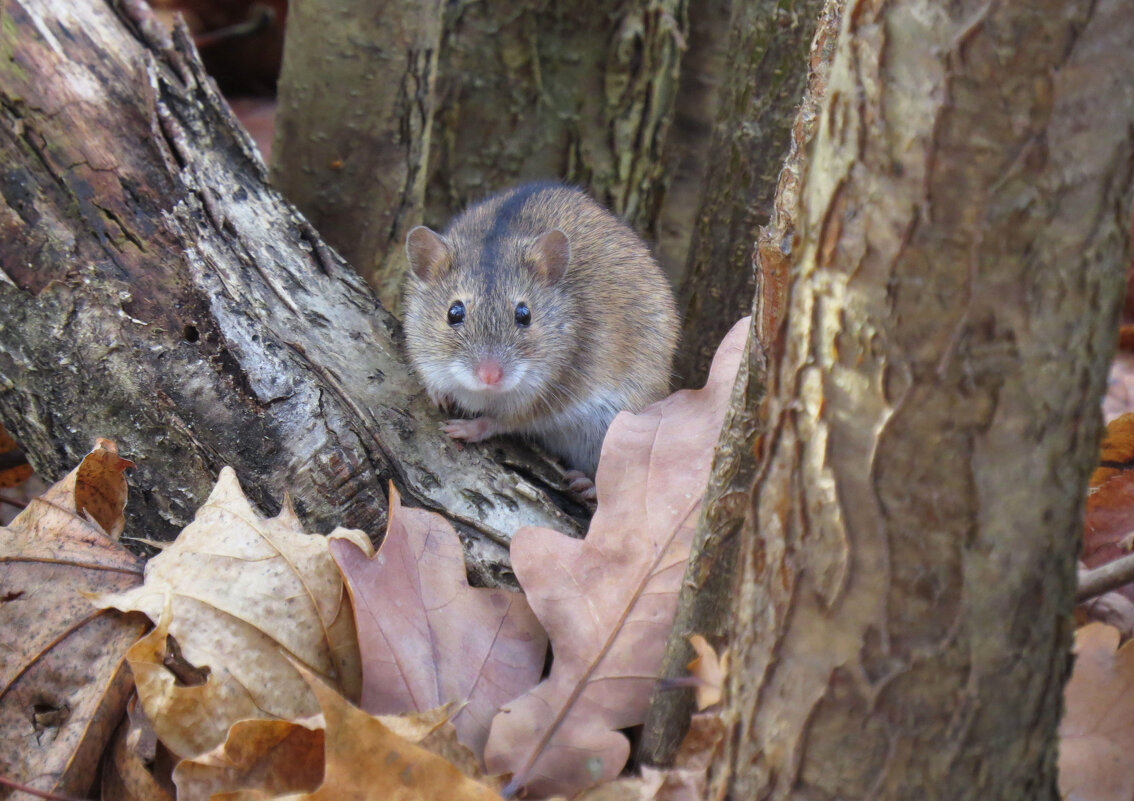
[489,372]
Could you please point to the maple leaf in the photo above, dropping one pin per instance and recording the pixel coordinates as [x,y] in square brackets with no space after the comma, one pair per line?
[239,594]
[63,681]
[427,637]
[365,759]
[608,601]
[1097,730]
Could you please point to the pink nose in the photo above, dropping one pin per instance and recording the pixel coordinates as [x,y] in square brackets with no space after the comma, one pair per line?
[489,372]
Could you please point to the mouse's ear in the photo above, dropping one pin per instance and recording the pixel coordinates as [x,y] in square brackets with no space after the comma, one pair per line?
[551,254]
[428,253]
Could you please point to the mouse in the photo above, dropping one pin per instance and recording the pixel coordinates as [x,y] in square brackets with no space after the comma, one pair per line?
[540,313]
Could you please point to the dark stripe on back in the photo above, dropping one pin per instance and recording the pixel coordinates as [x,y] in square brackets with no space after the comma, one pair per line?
[504,227]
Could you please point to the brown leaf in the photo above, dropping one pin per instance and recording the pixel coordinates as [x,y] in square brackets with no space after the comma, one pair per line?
[1109,519]
[273,756]
[426,637]
[685,781]
[239,594]
[1116,452]
[608,602]
[710,671]
[63,681]
[364,759]
[126,775]
[1097,731]
[14,468]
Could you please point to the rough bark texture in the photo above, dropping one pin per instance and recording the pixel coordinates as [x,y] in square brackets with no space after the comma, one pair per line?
[903,622]
[581,91]
[709,587]
[154,290]
[767,76]
[353,126]
[688,146]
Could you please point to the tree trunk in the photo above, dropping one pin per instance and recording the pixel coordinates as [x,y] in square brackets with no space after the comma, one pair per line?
[709,586]
[903,623]
[155,291]
[530,89]
[688,147]
[352,133]
[767,74]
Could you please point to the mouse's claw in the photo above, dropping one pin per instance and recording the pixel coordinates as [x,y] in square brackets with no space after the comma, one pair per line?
[475,430]
[441,401]
[581,484]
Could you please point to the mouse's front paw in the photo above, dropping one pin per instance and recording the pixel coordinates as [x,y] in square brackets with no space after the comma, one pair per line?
[475,430]
[581,484]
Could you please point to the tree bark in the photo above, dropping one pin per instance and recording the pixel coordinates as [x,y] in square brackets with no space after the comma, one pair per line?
[767,75]
[154,290]
[709,586]
[583,92]
[903,622]
[688,146]
[356,103]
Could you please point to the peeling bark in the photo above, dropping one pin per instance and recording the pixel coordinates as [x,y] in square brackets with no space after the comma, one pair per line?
[902,626]
[154,290]
[352,133]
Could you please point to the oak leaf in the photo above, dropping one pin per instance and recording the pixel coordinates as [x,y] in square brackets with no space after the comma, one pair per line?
[239,594]
[1097,730]
[685,781]
[365,759]
[63,679]
[608,601]
[426,637]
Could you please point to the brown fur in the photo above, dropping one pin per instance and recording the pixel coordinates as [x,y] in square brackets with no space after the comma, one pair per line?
[601,337]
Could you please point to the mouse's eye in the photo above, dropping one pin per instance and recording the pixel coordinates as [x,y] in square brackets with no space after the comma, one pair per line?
[523,314]
[456,313]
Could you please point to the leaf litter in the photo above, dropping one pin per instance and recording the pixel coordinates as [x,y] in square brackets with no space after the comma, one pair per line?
[240,595]
[63,679]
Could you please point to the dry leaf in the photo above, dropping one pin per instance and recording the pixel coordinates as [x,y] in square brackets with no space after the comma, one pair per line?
[126,775]
[63,681]
[278,757]
[608,602]
[1116,451]
[426,637]
[1097,731]
[14,468]
[243,594]
[1109,519]
[710,671]
[364,759]
[273,756]
[685,781]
